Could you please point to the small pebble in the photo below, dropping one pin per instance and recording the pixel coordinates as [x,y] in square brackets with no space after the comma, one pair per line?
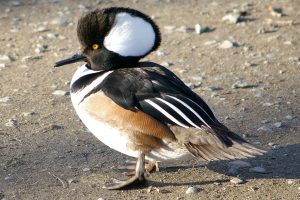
[60,93]
[41,29]
[200,29]
[6,58]
[5,99]
[2,65]
[192,190]
[226,44]
[11,123]
[214,88]
[26,114]
[184,29]
[290,181]
[265,129]
[56,127]
[237,181]
[276,12]
[86,169]
[211,42]
[41,48]
[259,170]
[242,84]
[232,18]
[166,64]
[8,178]
[60,21]
[31,58]
[278,124]
[289,117]
[294,58]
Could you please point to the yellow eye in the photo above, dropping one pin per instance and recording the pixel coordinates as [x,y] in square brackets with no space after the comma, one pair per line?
[95,46]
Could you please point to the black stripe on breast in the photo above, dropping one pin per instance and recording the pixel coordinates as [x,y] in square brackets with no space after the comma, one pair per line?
[83,81]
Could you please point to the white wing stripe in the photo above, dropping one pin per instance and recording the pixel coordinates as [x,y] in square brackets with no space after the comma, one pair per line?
[160,109]
[179,112]
[191,109]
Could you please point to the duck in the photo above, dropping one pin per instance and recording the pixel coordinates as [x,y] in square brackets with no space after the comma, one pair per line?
[140,108]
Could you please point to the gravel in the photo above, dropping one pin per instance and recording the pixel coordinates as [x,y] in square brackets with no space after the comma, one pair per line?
[237,181]
[192,190]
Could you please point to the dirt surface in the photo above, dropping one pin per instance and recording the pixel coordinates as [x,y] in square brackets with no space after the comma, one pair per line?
[46,152]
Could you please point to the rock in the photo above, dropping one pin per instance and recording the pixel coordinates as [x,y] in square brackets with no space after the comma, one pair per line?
[192,190]
[60,21]
[200,29]
[237,181]
[169,29]
[289,117]
[226,44]
[60,93]
[166,64]
[41,48]
[52,35]
[56,127]
[259,170]
[265,129]
[6,58]
[184,29]
[31,58]
[232,18]
[276,12]
[26,114]
[294,58]
[41,29]
[211,42]
[214,88]
[86,169]
[11,123]
[5,99]
[290,181]
[2,65]
[8,178]
[242,84]
[278,124]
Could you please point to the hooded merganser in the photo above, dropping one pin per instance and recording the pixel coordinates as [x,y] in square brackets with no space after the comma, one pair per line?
[142,109]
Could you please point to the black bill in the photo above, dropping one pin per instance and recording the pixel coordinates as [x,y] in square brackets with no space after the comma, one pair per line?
[72,59]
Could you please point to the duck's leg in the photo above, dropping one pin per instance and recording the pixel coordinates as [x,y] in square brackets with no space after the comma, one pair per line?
[139,176]
[129,168]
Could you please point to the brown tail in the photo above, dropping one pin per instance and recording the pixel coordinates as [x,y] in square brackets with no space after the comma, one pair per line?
[221,144]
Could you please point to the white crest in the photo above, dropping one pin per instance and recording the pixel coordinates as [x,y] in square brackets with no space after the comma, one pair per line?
[130,36]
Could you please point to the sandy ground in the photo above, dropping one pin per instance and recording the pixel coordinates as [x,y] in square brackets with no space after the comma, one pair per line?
[45,151]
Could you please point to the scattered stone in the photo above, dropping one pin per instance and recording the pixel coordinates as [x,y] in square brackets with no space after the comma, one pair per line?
[31,58]
[41,29]
[192,190]
[60,93]
[261,30]
[226,44]
[5,99]
[60,21]
[232,18]
[243,84]
[288,43]
[278,124]
[254,188]
[52,35]
[294,58]
[265,129]
[200,29]
[276,12]
[6,58]
[26,114]
[2,65]
[237,181]
[214,88]
[259,170]
[184,29]
[86,169]
[289,117]
[169,29]
[56,127]
[11,123]
[211,42]
[166,64]
[8,178]
[15,3]
[41,48]
[267,104]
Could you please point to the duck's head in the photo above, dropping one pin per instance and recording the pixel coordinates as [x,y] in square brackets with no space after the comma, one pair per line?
[114,38]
